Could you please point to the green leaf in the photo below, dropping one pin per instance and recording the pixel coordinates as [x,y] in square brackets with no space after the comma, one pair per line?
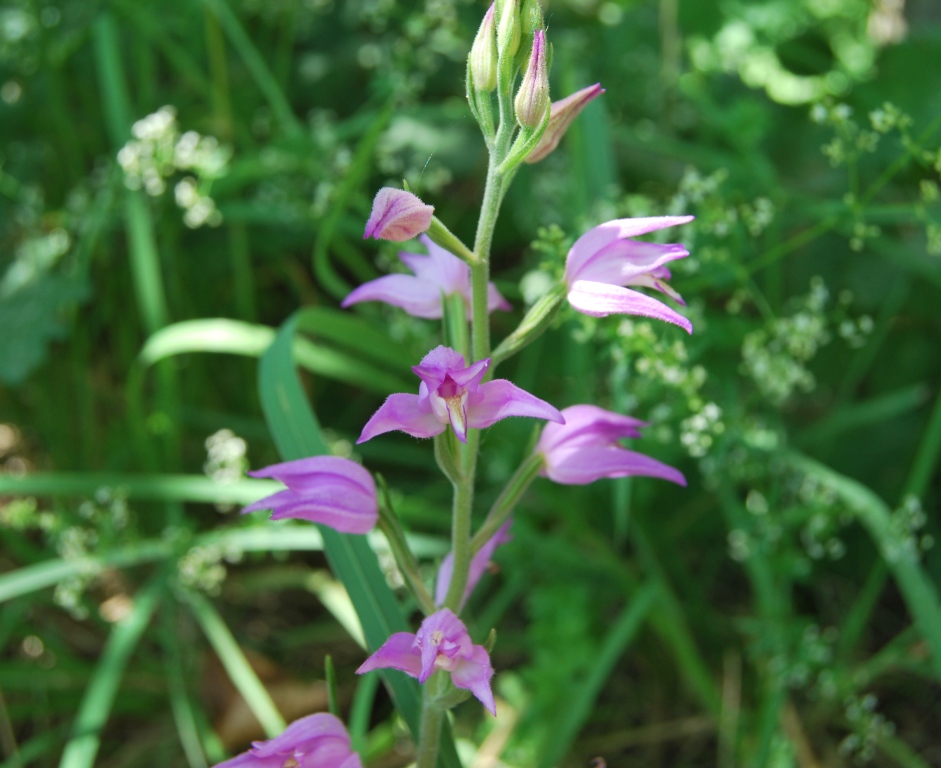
[221,335]
[297,434]
[914,583]
[32,316]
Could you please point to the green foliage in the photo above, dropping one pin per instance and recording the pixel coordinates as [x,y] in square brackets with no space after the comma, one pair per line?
[177,180]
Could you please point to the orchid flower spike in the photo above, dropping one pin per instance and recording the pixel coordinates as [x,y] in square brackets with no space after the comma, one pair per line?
[440,272]
[397,215]
[315,741]
[605,259]
[586,448]
[479,563]
[561,115]
[329,490]
[452,393]
[442,642]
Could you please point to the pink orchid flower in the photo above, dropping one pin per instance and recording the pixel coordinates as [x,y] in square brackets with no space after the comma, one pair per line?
[442,642]
[315,741]
[586,448]
[397,215]
[452,393]
[479,563]
[439,273]
[329,490]
[605,259]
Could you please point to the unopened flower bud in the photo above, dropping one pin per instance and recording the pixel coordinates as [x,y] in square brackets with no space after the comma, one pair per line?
[532,16]
[561,115]
[397,215]
[482,62]
[532,99]
[508,27]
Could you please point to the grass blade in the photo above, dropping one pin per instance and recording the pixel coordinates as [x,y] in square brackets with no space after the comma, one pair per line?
[96,704]
[918,591]
[240,671]
[625,628]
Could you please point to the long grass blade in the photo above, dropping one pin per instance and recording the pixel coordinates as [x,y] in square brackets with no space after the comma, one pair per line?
[99,697]
[917,589]
[625,628]
[236,665]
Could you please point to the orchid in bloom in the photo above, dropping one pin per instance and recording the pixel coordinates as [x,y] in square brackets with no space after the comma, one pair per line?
[586,448]
[605,259]
[479,564]
[329,490]
[439,273]
[453,393]
[442,642]
[315,741]
[397,215]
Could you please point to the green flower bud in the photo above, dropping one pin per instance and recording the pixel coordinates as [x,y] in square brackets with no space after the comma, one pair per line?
[482,62]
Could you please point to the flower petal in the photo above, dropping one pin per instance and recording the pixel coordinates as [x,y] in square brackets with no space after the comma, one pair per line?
[474,675]
[587,425]
[397,215]
[597,238]
[303,473]
[495,301]
[623,261]
[398,652]
[417,297]
[352,514]
[302,735]
[499,399]
[602,299]
[402,412]
[581,465]
[479,564]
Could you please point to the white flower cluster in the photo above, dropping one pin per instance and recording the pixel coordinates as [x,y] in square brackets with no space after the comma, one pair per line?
[226,459]
[775,356]
[202,568]
[698,432]
[905,540]
[158,151]
[869,728]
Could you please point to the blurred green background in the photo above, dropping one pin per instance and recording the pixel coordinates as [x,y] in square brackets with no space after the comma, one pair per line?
[177,178]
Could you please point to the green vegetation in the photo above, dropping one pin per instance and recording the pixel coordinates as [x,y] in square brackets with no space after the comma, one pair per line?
[183,190]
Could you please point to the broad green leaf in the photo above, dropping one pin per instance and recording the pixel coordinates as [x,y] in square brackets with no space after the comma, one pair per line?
[221,335]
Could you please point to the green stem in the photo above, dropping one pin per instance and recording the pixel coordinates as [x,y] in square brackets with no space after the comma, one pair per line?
[507,500]
[461,523]
[404,558]
[431,718]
